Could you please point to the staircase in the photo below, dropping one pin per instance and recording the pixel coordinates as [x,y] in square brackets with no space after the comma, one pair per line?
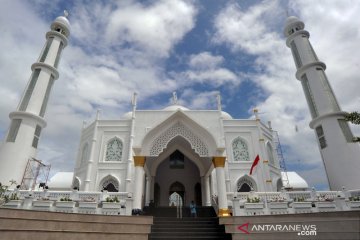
[167,226]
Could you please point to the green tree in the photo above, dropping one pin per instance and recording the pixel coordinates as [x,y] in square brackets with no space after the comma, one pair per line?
[353,117]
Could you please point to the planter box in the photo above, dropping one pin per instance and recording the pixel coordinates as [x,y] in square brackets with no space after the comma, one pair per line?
[278,205]
[254,205]
[354,204]
[13,203]
[111,205]
[91,205]
[43,203]
[301,205]
[65,204]
[326,205]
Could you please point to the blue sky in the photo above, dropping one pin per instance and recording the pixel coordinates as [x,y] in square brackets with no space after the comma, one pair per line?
[194,47]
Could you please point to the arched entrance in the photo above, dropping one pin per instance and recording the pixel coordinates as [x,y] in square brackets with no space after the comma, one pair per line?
[178,150]
[110,184]
[177,174]
[176,194]
[246,184]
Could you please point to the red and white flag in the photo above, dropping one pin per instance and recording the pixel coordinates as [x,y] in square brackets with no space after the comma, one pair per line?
[256,161]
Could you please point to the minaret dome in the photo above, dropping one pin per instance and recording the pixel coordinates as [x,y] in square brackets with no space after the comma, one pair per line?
[61,24]
[292,25]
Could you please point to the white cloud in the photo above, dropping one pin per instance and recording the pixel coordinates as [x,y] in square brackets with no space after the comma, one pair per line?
[154,29]
[206,68]
[198,100]
[100,68]
[205,60]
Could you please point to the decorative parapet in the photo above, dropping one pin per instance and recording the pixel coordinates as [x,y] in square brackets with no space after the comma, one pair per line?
[72,202]
[271,203]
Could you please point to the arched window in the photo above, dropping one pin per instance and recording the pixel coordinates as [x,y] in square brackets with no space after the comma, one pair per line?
[76,183]
[246,184]
[110,184]
[240,150]
[279,184]
[84,154]
[270,154]
[114,150]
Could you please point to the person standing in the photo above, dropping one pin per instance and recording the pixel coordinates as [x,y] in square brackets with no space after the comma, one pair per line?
[193,209]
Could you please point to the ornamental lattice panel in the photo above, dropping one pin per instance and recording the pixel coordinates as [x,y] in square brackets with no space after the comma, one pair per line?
[178,129]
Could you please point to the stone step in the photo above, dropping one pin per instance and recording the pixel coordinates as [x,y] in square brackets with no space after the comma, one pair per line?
[201,227]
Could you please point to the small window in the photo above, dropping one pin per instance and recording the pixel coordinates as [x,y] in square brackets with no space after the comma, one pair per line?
[114,150]
[177,160]
[309,96]
[321,136]
[29,90]
[240,150]
[36,136]
[296,54]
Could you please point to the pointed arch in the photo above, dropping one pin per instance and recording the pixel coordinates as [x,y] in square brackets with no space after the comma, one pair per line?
[178,129]
[240,150]
[76,183]
[176,187]
[114,150]
[246,184]
[279,184]
[109,183]
[179,124]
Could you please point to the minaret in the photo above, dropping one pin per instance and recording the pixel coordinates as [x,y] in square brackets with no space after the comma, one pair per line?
[341,156]
[27,121]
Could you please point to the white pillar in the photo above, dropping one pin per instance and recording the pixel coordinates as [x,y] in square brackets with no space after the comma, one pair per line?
[128,185]
[139,162]
[207,191]
[219,163]
[227,177]
[27,121]
[148,191]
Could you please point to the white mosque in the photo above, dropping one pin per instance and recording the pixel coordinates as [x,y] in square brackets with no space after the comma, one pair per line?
[199,154]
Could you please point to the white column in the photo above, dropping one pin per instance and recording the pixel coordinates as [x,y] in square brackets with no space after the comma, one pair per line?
[148,190]
[219,163]
[207,191]
[129,169]
[139,162]
[227,177]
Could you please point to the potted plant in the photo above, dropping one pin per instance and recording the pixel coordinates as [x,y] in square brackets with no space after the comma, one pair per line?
[354,202]
[13,200]
[65,202]
[88,203]
[43,202]
[300,204]
[325,203]
[254,203]
[111,203]
[278,203]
